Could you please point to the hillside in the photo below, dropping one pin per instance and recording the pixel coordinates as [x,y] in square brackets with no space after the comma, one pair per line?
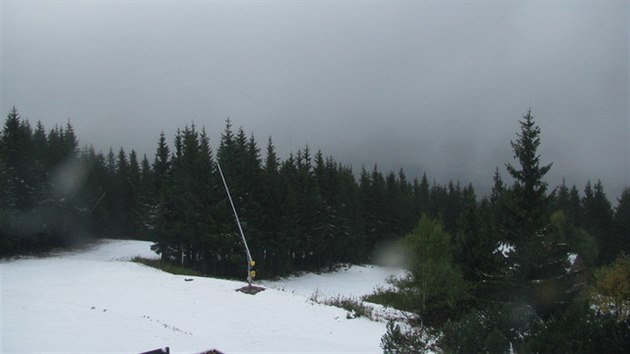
[96,300]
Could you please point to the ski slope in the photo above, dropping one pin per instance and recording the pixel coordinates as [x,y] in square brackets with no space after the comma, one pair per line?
[350,281]
[96,301]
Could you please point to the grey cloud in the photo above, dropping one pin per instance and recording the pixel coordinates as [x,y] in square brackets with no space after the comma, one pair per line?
[431,87]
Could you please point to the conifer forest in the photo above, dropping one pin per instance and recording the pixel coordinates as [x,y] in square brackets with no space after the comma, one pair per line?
[520,268]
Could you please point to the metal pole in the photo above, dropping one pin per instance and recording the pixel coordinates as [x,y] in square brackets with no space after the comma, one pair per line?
[240,229]
[98,202]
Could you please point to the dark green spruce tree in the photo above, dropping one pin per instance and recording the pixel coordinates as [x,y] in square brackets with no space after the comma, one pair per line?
[621,222]
[491,266]
[160,207]
[421,196]
[539,258]
[597,219]
[272,257]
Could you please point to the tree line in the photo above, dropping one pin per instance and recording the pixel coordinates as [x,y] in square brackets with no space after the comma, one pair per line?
[305,212]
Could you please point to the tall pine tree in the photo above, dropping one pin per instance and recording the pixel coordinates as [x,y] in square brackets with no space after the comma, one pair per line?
[539,259]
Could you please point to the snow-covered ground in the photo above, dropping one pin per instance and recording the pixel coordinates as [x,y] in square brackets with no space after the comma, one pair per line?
[347,281]
[96,300]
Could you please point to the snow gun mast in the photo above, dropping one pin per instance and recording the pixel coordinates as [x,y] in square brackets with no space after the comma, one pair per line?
[251,274]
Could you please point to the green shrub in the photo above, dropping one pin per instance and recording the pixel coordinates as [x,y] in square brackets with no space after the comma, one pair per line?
[610,291]
[490,330]
[398,341]
[354,306]
[391,298]
[579,329]
[435,283]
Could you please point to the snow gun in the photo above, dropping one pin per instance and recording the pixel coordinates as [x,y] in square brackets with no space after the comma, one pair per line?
[251,273]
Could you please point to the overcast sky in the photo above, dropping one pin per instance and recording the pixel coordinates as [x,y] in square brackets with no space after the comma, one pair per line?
[435,87]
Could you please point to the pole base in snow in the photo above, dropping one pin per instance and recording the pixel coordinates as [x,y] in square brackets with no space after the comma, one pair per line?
[251,289]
